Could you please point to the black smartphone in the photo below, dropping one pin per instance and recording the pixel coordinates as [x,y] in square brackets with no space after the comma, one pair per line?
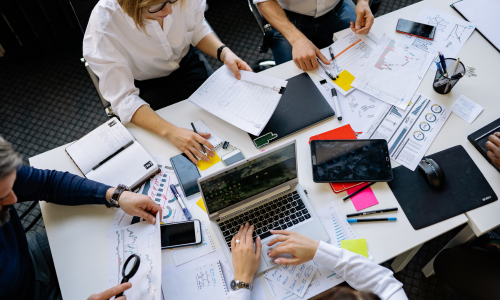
[181,234]
[416,29]
[350,161]
[187,173]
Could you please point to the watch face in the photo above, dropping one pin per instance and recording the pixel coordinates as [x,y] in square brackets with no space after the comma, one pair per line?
[233,284]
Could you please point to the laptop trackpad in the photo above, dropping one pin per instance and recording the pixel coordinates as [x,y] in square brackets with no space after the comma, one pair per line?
[268,260]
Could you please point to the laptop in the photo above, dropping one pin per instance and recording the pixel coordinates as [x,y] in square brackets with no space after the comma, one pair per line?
[263,190]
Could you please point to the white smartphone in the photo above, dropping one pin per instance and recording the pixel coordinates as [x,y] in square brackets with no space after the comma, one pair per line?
[180,234]
[232,157]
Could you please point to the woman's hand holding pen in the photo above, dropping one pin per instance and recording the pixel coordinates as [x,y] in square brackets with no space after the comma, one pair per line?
[233,62]
[189,142]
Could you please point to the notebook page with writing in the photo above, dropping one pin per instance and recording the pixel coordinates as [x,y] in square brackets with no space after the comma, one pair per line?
[205,282]
[214,139]
[99,144]
[130,167]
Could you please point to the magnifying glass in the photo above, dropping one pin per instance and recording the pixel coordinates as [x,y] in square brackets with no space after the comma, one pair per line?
[129,269]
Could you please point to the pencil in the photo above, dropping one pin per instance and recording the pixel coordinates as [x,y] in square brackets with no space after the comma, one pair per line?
[359,191]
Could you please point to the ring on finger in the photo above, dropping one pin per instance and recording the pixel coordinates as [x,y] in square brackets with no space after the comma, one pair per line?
[237,241]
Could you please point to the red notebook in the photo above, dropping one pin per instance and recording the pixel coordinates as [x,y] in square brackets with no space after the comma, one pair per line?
[342,133]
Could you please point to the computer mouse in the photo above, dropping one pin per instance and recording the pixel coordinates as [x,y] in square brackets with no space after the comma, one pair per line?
[432,172]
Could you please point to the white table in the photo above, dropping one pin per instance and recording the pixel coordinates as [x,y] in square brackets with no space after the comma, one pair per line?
[78,235]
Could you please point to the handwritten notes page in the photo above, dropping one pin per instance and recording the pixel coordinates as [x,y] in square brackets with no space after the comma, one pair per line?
[184,254]
[142,239]
[466,109]
[247,103]
[293,278]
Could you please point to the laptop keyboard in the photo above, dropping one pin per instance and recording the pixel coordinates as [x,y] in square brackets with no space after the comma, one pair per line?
[278,214]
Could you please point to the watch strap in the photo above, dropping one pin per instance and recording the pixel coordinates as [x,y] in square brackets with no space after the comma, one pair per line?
[219,51]
[117,193]
[236,285]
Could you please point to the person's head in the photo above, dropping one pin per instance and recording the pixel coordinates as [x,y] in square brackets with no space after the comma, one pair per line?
[345,293]
[139,10]
[9,161]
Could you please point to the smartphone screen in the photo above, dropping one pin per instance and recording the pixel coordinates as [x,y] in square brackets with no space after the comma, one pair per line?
[177,234]
[187,173]
[414,28]
[233,158]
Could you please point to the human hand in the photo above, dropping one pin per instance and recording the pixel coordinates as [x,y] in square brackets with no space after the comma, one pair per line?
[245,258]
[189,143]
[139,205]
[112,292]
[304,55]
[364,18]
[493,145]
[233,62]
[301,247]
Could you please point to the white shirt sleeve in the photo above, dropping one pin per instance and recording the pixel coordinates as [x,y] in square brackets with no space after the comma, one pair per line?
[202,28]
[259,1]
[241,294]
[116,82]
[360,272]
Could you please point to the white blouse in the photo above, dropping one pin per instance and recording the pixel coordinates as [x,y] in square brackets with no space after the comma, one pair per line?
[118,52]
[358,271]
[312,8]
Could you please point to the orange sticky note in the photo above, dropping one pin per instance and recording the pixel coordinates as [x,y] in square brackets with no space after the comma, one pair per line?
[345,80]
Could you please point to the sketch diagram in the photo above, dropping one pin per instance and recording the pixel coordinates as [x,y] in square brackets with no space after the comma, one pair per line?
[438,22]
[309,271]
[457,33]
[203,279]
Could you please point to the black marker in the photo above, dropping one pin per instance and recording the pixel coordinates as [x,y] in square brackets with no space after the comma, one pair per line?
[370,220]
[359,191]
[373,212]
[194,129]
[113,155]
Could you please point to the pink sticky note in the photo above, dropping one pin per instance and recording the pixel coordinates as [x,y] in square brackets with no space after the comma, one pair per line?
[364,199]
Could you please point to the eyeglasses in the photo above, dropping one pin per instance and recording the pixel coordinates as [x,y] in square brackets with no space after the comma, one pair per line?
[156,8]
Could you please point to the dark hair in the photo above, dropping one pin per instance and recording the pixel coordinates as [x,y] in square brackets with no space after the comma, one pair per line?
[345,293]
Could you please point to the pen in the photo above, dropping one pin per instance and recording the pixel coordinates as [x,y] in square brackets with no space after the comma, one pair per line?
[194,129]
[439,68]
[443,64]
[456,66]
[336,102]
[326,71]
[333,60]
[113,155]
[181,203]
[373,212]
[370,220]
[358,191]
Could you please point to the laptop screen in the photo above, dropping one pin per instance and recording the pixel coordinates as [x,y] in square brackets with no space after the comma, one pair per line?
[250,179]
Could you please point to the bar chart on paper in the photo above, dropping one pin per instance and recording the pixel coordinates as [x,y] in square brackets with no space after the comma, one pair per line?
[393,72]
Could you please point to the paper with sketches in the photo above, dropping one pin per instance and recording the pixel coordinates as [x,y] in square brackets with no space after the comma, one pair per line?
[184,254]
[247,103]
[393,72]
[357,246]
[451,34]
[466,109]
[142,239]
[336,224]
[409,133]
[293,278]
[351,52]
[213,139]
[364,199]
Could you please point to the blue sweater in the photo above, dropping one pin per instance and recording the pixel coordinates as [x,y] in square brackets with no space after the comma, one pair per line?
[16,269]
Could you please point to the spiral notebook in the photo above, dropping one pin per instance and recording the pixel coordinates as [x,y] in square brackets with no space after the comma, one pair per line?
[205,282]
[214,139]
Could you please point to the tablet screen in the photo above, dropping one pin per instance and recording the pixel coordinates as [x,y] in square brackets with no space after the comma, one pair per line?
[350,161]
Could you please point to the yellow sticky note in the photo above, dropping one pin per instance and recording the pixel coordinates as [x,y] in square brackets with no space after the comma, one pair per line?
[203,165]
[357,246]
[345,80]
[201,204]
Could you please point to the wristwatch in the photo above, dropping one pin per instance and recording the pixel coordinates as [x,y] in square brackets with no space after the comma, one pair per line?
[236,285]
[113,202]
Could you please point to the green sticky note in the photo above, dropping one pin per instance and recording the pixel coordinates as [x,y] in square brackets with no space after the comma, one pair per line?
[357,246]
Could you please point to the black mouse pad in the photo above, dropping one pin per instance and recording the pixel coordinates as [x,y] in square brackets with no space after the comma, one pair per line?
[465,189]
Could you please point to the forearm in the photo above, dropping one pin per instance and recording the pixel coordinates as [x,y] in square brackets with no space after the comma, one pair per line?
[145,117]
[275,15]
[209,45]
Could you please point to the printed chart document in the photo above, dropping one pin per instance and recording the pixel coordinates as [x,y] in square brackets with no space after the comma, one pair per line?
[466,109]
[409,133]
[184,254]
[451,34]
[295,279]
[204,282]
[393,72]
[142,239]
[247,103]
[351,53]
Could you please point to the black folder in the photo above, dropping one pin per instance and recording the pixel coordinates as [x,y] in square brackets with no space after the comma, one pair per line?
[480,137]
[465,189]
[302,105]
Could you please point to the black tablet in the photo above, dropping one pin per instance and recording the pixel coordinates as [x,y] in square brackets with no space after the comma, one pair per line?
[350,161]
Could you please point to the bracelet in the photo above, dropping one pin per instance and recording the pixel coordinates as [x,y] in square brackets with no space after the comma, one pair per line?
[219,51]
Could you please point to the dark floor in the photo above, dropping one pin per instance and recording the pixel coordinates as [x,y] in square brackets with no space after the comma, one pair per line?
[47,100]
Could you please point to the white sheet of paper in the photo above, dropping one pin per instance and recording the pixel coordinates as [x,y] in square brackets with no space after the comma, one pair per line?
[293,278]
[184,254]
[393,72]
[351,53]
[451,34]
[142,239]
[409,133]
[466,109]
[213,139]
[247,103]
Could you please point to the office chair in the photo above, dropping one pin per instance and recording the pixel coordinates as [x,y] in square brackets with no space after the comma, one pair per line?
[26,212]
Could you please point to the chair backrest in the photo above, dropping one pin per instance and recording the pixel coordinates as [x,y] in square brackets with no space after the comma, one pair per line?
[83,9]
